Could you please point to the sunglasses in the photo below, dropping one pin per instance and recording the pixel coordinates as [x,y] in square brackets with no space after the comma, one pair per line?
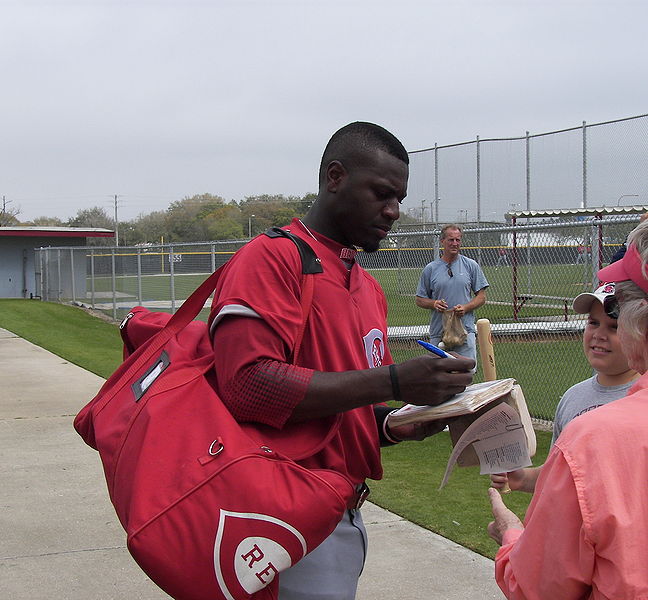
[611,307]
[450,273]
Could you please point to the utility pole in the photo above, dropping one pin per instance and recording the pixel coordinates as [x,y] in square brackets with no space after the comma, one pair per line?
[116,224]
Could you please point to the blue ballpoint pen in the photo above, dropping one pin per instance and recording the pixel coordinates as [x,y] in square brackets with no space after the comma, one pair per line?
[435,349]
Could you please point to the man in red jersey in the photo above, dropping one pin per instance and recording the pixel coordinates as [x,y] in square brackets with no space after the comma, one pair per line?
[344,373]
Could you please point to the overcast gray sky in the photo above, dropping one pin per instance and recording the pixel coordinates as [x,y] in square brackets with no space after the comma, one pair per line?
[157,100]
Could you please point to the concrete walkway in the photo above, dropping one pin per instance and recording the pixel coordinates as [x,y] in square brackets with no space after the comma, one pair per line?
[60,538]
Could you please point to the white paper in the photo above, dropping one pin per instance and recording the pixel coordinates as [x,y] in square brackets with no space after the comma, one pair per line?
[498,438]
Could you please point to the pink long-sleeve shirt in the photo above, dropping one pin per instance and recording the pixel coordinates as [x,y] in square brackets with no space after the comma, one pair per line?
[586,529]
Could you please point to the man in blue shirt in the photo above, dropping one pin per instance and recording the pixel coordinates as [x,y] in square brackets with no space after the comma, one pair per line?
[453,282]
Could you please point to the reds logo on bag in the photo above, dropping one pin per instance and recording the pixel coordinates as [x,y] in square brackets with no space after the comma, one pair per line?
[212,509]
[257,560]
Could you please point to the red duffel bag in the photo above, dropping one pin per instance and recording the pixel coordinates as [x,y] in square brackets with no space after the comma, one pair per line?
[211,511]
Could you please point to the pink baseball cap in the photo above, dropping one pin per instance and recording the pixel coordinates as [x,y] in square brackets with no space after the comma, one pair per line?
[629,268]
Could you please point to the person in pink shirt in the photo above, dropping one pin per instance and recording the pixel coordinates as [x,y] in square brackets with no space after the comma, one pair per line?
[585,534]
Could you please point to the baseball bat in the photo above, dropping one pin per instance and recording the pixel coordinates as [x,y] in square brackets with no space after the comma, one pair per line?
[487,355]
[486,352]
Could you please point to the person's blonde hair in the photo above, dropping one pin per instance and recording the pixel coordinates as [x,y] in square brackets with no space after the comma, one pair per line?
[634,301]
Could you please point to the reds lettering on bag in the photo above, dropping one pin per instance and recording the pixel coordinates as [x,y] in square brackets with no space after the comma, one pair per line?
[275,546]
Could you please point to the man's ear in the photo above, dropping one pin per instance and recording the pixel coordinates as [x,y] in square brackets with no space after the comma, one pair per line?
[335,174]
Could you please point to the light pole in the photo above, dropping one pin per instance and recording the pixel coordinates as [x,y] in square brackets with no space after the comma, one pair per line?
[250,226]
[423,211]
[627,196]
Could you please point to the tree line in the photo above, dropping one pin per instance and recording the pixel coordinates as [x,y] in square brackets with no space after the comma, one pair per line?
[199,218]
[204,217]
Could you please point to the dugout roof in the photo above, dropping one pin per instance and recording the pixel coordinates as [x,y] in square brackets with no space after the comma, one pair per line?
[74,232]
[578,212]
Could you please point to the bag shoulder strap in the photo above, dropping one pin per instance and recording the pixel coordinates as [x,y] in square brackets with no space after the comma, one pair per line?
[311,264]
[196,301]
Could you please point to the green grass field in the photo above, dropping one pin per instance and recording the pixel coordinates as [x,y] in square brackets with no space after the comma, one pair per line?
[460,511]
[67,331]
[561,281]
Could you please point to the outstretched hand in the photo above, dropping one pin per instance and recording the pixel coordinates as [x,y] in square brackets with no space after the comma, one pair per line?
[504,518]
[514,480]
[500,481]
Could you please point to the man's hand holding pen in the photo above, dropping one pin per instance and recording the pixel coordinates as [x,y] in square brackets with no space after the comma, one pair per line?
[431,380]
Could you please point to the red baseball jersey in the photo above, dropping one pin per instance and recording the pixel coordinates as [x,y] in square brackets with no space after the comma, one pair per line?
[346,330]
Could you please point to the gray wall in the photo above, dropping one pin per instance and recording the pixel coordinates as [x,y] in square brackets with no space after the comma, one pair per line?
[17,262]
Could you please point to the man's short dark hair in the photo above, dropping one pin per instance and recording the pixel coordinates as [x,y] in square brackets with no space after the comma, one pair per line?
[354,141]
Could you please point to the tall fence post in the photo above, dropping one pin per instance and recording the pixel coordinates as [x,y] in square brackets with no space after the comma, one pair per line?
[92,278]
[514,263]
[437,199]
[59,292]
[399,267]
[436,185]
[47,278]
[478,183]
[584,165]
[528,171]
[113,278]
[597,249]
[72,274]
[172,279]
[528,207]
[139,276]
[39,292]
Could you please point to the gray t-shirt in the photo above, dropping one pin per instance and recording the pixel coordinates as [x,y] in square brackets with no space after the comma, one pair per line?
[583,397]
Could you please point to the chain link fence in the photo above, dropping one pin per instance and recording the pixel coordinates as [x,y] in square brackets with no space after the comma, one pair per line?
[535,266]
[597,164]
